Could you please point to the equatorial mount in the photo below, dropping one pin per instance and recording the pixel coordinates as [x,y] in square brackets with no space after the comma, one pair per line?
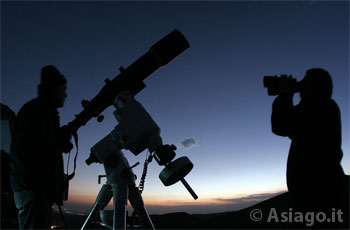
[136,131]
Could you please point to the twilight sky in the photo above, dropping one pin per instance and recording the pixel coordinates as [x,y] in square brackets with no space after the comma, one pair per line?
[211,95]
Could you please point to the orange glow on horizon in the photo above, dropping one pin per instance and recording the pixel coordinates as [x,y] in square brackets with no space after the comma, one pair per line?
[82,199]
[173,202]
[90,200]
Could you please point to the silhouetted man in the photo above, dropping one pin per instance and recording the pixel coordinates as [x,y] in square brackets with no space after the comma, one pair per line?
[37,147]
[315,177]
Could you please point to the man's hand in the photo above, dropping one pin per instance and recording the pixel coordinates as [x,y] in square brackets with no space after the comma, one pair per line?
[67,147]
[64,139]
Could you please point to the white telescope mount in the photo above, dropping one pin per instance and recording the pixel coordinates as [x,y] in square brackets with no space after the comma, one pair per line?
[136,131]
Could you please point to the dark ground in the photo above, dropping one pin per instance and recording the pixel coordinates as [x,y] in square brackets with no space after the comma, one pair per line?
[241,219]
[233,220]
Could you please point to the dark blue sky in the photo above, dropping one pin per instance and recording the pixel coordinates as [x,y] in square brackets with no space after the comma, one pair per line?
[212,93]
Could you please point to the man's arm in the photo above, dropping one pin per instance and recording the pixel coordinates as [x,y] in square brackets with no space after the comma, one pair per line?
[282,115]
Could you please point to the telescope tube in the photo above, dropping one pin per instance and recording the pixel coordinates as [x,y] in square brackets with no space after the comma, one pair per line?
[131,78]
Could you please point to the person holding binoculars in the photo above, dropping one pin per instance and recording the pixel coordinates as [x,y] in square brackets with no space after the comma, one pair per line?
[315,177]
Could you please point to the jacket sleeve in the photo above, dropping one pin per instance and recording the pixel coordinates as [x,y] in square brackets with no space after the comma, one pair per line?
[282,115]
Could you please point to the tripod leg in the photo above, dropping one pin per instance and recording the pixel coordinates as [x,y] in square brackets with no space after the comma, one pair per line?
[120,198]
[137,203]
[102,200]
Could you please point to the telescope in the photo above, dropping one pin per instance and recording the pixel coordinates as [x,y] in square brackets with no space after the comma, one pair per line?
[136,131]
[131,79]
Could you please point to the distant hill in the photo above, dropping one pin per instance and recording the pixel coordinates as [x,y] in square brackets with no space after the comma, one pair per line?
[242,219]
[277,213]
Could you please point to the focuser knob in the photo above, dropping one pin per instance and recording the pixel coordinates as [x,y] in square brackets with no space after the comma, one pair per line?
[121,69]
[85,103]
[107,81]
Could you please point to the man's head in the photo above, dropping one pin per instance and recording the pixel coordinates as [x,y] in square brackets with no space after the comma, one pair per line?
[317,84]
[53,85]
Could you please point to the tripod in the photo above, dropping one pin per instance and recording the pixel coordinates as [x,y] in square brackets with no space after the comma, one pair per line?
[121,187]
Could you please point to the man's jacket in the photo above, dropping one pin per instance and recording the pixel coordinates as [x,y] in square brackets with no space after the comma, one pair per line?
[37,147]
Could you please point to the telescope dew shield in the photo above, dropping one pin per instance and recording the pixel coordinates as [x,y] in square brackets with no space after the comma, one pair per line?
[131,78]
[169,47]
